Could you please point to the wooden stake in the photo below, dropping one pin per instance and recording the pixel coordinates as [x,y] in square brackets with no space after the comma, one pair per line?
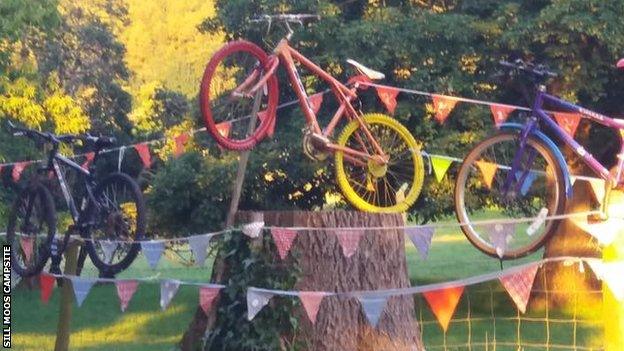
[63,330]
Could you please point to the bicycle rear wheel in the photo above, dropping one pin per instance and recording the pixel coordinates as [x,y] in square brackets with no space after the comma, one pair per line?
[230,73]
[115,224]
[373,187]
[31,229]
[481,194]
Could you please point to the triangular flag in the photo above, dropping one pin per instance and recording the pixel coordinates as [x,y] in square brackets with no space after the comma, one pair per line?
[82,286]
[253,229]
[256,300]
[108,248]
[311,301]
[207,296]
[611,274]
[89,158]
[168,289]
[500,234]
[388,95]
[361,78]
[18,169]
[440,165]
[443,303]
[152,250]
[262,115]
[421,238]
[27,243]
[198,245]
[315,102]
[224,128]
[46,283]
[180,141]
[125,291]
[500,113]
[144,154]
[443,106]
[568,121]
[373,308]
[283,239]
[519,285]
[598,186]
[349,240]
[488,170]
[528,181]
[604,231]
[572,180]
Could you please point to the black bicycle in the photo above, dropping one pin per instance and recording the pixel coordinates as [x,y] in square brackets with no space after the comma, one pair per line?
[111,217]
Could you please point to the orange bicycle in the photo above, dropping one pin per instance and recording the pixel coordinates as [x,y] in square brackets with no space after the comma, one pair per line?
[379,166]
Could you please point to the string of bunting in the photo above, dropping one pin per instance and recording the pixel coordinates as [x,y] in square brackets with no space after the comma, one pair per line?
[442,298]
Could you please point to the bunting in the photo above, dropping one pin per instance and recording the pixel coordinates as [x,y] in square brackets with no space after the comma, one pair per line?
[488,170]
[500,113]
[568,121]
[283,239]
[46,283]
[207,295]
[604,231]
[519,285]
[253,229]
[316,101]
[125,291]
[18,169]
[27,243]
[152,251]
[256,300]
[440,166]
[443,303]
[388,96]
[361,78]
[108,248]
[373,308]
[199,244]
[263,115]
[443,106]
[349,240]
[82,287]
[311,301]
[598,187]
[180,141]
[89,158]
[168,289]
[611,275]
[500,235]
[224,128]
[421,238]
[144,154]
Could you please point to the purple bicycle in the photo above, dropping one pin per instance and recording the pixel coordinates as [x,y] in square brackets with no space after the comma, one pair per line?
[521,173]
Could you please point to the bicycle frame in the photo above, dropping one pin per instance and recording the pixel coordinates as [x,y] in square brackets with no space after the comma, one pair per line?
[287,55]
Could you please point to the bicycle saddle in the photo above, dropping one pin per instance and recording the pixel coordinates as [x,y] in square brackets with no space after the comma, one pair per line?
[370,73]
[620,64]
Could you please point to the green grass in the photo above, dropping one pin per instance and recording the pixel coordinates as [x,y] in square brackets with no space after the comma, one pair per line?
[99,324]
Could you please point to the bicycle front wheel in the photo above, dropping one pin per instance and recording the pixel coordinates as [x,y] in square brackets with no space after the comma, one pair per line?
[115,223]
[224,97]
[486,191]
[31,229]
[372,186]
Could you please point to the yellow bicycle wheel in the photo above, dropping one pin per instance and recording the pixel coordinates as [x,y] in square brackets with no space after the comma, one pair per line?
[391,185]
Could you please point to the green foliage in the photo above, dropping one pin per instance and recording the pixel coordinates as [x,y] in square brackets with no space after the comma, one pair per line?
[273,328]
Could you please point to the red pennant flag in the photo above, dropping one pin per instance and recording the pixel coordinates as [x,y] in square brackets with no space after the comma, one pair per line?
[443,105]
[283,239]
[316,101]
[46,283]
[443,303]
[90,156]
[311,301]
[361,78]
[488,170]
[519,286]
[125,291]
[207,296]
[144,154]
[568,121]
[501,113]
[349,240]
[388,96]
[27,243]
[180,141]
[224,128]
[263,115]
[18,168]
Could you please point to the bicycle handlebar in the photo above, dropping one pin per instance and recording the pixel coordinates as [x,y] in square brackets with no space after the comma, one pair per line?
[539,71]
[57,139]
[286,17]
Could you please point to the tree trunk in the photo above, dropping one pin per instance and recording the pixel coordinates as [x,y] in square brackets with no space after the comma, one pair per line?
[379,263]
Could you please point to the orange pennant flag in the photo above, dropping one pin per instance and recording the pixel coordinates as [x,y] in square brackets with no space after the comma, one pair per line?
[180,141]
[501,113]
[443,303]
[262,115]
[443,106]
[568,121]
[144,154]
[315,102]
[18,168]
[89,158]
[360,79]
[224,128]
[388,97]
[488,170]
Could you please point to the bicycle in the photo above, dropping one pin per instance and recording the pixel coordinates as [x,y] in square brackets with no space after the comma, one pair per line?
[378,164]
[112,208]
[520,172]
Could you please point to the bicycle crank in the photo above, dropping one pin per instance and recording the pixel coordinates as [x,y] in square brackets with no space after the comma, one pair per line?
[314,145]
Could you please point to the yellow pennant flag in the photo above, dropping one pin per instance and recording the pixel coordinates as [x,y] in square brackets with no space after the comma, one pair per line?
[440,166]
[488,169]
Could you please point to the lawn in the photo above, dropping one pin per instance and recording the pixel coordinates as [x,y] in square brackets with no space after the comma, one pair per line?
[485,317]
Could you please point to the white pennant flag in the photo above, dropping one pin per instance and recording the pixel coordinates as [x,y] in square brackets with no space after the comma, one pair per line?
[82,286]
[199,244]
[256,300]
[253,229]
[598,186]
[152,251]
[604,231]
[421,238]
[611,274]
[108,247]
[168,289]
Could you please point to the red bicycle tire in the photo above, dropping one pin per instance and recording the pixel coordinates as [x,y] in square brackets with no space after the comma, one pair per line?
[204,96]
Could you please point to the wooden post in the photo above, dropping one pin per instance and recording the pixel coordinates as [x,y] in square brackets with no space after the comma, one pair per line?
[614,309]
[63,330]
